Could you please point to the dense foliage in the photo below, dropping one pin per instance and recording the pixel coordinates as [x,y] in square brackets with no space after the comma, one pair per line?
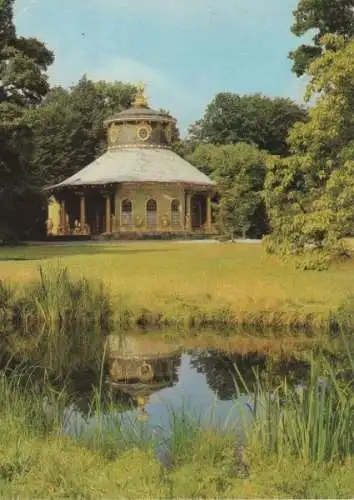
[23,84]
[230,143]
[255,119]
[323,17]
[310,194]
[239,172]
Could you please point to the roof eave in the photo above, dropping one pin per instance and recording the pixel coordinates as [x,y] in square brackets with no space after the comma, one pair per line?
[108,181]
[138,118]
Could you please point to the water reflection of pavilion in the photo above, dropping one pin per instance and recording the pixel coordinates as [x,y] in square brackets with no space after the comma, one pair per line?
[139,367]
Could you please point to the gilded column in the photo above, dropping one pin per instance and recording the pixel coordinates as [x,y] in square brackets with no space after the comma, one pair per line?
[62,217]
[82,213]
[116,220]
[108,213]
[209,213]
[189,212]
[54,221]
[182,206]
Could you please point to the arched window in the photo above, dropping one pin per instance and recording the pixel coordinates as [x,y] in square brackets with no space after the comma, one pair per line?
[127,213]
[151,213]
[175,213]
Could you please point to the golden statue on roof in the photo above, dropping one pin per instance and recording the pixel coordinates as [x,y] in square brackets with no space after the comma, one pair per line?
[141,86]
[140,97]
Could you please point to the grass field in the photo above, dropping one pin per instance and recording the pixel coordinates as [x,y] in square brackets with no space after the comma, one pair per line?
[173,279]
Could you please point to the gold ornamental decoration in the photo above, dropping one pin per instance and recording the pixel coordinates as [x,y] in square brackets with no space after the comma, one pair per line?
[139,221]
[145,372]
[126,220]
[165,221]
[144,132]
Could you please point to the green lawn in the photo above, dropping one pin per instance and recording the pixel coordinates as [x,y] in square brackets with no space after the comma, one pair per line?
[166,277]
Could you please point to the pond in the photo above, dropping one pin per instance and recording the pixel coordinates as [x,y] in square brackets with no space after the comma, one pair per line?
[151,380]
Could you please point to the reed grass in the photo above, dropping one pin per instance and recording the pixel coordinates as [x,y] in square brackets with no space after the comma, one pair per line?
[314,422]
[58,323]
[29,405]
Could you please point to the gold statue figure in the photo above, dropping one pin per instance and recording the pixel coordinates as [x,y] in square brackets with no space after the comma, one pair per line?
[141,88]
[140,97]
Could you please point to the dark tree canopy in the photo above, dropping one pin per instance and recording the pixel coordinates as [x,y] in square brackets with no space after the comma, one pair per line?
[325,17]
[23,62]
[23,84]
[239,172]
[254,119]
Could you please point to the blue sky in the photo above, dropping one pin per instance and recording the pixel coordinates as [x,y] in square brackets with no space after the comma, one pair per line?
[185,50]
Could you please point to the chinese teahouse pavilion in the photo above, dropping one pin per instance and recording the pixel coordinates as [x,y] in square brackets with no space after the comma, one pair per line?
[138,187]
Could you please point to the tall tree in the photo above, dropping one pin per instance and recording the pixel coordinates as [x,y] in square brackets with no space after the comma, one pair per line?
[310,195]
[117,95]
[325,17]
[23,84]
[23,62]
[255,119]
[239,172]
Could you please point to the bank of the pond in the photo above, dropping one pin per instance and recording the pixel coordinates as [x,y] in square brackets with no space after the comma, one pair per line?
[60,323]
[302,447]
[185,286]
[56,299]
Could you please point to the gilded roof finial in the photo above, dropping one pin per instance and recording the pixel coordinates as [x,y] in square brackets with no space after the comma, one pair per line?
[140,97]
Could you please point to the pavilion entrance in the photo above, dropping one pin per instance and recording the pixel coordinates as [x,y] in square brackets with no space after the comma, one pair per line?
[72,210]
[199,211]
[95,212]
[151,214]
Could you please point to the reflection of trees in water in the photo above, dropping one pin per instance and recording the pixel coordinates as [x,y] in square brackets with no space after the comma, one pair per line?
[222,370]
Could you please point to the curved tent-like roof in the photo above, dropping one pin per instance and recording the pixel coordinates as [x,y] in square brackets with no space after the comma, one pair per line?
[140,113]
[133,164]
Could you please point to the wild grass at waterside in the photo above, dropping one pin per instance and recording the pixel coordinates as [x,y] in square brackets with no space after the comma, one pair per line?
[27,406]
[313,422]
[56,322]
[56,302]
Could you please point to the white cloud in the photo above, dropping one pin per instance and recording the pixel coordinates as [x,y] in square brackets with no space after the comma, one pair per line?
[162,91]
[126,69]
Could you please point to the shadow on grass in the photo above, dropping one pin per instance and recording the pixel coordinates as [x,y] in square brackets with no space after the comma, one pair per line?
[34,253]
